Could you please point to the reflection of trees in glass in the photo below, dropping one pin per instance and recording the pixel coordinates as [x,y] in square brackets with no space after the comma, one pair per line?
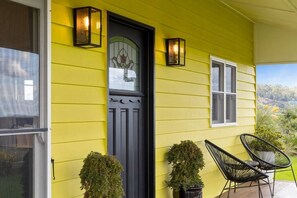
[6,160]
[215,78]
[230,78]
[16,166]
[27,171]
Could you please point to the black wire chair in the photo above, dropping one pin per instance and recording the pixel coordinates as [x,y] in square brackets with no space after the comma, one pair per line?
[278,161]
[235,170]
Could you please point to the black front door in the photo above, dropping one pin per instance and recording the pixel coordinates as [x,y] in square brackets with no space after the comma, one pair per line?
[130,134]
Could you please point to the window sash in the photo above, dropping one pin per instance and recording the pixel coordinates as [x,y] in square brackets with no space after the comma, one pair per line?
[38,113]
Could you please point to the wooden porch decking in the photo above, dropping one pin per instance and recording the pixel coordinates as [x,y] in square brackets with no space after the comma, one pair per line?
[283,189]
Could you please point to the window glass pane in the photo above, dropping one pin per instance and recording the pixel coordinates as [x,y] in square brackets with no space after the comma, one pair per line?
[19,85]
[124,64]
[19,66]
[16,166]
[230,79]
[217,108]
[217,76]
[19,29]
[230,108]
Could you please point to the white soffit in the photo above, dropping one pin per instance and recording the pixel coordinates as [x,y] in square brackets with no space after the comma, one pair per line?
[272,12]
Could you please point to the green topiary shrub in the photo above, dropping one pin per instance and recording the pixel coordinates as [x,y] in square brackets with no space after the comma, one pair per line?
[101,176]
[272,137]
[186,160]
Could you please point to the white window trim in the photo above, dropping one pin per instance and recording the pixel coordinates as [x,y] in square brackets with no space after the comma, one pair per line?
[49,96]
[225,62]
[45,50]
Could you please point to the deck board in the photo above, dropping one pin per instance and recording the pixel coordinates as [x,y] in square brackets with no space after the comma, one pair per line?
[283,189]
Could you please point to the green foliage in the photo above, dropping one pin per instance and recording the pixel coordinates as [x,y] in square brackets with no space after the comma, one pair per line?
[187,160]
[285,120]
[267,129]
[288,121]
[6,160]
[272,137]
[287,175]
[101,176]
[266,118]
[290,144]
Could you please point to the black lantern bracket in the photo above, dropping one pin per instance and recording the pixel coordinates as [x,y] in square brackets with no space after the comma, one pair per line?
[175,52]
[87,31]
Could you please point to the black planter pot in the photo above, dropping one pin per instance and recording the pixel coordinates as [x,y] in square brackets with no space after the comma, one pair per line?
[193,192]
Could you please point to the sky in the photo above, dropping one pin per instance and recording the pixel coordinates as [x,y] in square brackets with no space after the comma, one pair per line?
[285,74]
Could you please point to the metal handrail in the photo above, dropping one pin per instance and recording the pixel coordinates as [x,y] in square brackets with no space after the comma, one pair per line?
[6,132]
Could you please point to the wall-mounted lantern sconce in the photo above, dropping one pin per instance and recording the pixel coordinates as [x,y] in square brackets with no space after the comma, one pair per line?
[87,27]
[175,52]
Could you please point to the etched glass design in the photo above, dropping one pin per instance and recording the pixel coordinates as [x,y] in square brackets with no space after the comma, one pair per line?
[124,64]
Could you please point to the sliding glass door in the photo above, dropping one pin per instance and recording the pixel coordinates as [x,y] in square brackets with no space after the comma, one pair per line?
[23,100]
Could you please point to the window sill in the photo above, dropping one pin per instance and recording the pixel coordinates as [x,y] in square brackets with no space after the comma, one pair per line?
[223,125]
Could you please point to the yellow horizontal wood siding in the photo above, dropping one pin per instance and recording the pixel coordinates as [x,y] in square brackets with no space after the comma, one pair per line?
[78,104]
[182,94]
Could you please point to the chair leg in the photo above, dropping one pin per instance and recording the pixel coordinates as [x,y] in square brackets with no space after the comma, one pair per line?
[224,188]
[269,187]
[273,182]
[259,190]
[293,175]
[229,188]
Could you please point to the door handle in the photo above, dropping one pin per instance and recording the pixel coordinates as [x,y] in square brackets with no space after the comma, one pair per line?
[53,166]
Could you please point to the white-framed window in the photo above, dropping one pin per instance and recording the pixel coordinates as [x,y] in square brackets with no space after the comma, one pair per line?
[24,99]
[223,92]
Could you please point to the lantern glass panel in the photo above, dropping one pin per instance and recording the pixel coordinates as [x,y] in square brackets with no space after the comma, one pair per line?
[95,26]
[82,26]
[175,51]
[182,45]
[172,51]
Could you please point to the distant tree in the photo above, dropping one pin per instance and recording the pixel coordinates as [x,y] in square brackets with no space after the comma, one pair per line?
[288,124]
[277,95]
[283,118]
[288,121]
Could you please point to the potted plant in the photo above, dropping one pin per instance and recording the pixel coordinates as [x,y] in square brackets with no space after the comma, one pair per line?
[265,151]
[266,129]
[101,176]
[187,160]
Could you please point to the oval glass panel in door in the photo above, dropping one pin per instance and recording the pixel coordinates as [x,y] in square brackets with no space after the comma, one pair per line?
[124,64]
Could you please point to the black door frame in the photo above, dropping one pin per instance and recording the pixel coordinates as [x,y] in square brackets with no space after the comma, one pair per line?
[150,96]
